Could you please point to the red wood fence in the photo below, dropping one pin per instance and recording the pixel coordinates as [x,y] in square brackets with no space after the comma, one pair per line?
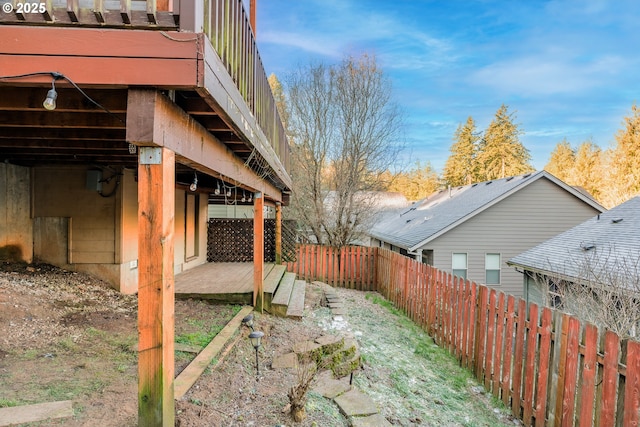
[351,267]
[550,368]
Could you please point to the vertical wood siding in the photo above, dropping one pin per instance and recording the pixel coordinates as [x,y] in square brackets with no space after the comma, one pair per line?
[550,368]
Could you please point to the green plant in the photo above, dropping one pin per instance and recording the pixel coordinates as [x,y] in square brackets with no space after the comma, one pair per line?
[7,403]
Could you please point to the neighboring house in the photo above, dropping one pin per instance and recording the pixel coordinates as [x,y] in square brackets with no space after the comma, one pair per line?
[602,251]
[473,230]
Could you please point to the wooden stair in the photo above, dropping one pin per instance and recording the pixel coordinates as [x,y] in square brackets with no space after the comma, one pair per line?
[288,297]
[270,284]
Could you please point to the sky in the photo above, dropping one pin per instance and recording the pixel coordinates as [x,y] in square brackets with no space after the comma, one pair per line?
[565,68]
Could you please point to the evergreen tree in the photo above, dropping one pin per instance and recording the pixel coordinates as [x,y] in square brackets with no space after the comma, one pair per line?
[501,153]
[624,174]
[588,169]
[280,99]
[415,184]
[460,168]
[562,161]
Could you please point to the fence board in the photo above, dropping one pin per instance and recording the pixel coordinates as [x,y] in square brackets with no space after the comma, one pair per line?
[516,382]
[508,351]
[497,358]
[571,372]
[632,385]
[529,366]
[481,326]
[588,376]
[609,378]
[491,325]
[543,368]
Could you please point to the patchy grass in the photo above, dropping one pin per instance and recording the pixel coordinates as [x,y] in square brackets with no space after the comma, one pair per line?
[413,380]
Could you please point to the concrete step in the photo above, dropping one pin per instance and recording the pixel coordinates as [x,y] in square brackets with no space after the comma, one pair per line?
[280,300]
[296,302]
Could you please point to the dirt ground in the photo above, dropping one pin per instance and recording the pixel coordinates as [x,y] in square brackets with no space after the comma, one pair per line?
[68,336]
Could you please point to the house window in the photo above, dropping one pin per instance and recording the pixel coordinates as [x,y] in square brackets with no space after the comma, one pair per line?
[555,295]
[191,227]
[427,256]
[492,269]
[459,265]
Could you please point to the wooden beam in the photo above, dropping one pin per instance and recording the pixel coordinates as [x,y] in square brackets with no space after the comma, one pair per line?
[69,99]
[278,233]
[258,252]
[33,413]
[202,361]
[95,42]
[53,119]
[156,120]
[168,73]
[156,200]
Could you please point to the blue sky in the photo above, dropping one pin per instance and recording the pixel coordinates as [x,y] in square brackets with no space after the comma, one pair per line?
[567,68]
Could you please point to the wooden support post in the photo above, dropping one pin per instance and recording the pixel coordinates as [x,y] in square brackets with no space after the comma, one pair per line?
[278,233]
[156,210]
[258,251]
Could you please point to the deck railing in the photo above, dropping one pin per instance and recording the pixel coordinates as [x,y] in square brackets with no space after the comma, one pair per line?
[550,368]
[227,26]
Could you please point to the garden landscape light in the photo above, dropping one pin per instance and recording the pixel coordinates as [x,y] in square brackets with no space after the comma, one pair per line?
[248,320]
[256,337]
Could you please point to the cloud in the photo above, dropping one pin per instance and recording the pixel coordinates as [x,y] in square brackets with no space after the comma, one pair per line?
[540,76]
[307,42]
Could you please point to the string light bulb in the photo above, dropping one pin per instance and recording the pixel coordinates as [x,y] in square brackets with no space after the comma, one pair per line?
[50,101]
[194,184]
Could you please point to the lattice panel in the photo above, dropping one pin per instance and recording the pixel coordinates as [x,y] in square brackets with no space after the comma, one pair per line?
[231,240]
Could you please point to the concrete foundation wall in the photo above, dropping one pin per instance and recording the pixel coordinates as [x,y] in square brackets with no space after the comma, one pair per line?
[57,215]
[64,192]
[16,231]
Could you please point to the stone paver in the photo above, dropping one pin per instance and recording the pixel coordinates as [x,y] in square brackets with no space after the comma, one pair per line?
[355,403]
[330,387]
[289,360]
[305,347]
[328,339]
[376,420]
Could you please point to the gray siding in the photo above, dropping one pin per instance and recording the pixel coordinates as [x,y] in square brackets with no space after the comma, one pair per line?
[528,217]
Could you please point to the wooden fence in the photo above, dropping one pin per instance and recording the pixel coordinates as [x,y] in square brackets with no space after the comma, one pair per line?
[550,368]
[350,267]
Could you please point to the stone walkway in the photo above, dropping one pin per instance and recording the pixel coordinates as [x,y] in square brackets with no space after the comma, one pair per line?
[335,383]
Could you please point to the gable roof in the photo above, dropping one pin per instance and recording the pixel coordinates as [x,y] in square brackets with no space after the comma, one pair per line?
[433,216]
[609,242]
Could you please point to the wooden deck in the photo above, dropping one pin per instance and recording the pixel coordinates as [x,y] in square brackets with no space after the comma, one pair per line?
[227,282]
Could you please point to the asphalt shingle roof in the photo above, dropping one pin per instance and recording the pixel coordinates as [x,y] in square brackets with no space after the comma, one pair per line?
[607,242]
[426,219]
